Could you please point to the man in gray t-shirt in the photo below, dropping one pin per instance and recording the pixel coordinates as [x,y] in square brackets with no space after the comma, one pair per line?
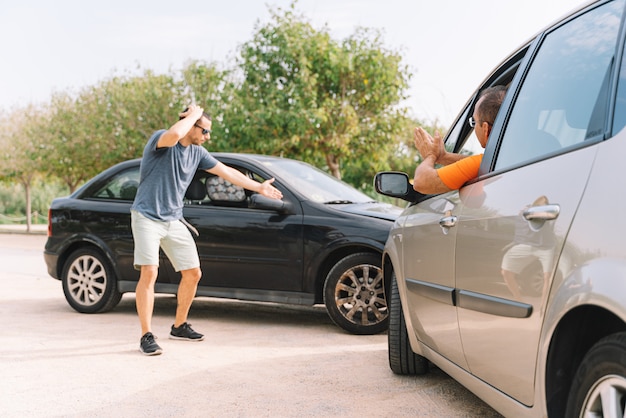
[170,160]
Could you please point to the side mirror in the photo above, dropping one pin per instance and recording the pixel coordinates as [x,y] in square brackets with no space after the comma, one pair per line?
[396,184]
[258,201]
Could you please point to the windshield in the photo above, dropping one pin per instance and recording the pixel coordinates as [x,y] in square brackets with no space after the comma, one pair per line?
[315,184]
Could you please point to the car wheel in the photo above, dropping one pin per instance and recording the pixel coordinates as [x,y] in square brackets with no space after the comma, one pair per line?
[354,294]
[599,387]
[89,284]
[402,359]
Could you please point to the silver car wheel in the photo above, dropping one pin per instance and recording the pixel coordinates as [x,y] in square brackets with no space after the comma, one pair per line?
[360,295]
[354,294]
[86,280]
[89,281]
[599,385]
[606,398]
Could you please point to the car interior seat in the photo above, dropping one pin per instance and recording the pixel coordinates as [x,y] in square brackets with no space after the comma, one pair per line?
[544,143]
[196,192]
[221,191]
[129,190]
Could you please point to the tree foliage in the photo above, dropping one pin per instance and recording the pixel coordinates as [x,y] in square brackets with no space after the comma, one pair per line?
[293,91]
[20,158]
[305,95]
[111,121]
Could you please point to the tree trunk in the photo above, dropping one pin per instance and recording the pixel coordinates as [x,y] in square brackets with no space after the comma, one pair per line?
[28,205]
[333,165]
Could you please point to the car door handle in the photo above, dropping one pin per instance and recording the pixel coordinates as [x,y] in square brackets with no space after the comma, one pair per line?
[542,213]
[448,221]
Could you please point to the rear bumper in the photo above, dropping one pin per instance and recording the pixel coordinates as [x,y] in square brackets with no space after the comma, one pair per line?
[51,260]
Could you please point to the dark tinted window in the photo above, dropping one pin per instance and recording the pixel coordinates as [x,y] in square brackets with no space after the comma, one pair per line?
[564,97]
[121,187]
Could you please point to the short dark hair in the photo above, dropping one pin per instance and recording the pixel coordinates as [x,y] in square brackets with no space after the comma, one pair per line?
[204,114]
[489,102]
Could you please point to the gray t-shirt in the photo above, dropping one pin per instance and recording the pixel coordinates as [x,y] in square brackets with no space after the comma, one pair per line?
[165,174]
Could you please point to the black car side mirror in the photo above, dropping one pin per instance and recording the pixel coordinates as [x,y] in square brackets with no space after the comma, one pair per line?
[258,201]
[396,184]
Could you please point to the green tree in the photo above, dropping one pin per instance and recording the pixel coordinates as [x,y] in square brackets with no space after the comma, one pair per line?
[68,150]
[294,91]
[124,111]
[307,96]
[20,158]
[207,85]
[112,120]
[105,124]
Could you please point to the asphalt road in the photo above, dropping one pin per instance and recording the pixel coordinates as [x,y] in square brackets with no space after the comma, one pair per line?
[258,360]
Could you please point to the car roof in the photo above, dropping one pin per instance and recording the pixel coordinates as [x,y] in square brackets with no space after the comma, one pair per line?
[249,157]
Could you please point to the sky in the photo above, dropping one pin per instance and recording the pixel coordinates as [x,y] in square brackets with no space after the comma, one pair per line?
[450,46]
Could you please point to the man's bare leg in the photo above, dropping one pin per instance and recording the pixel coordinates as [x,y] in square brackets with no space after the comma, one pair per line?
[186,292]
[144,296]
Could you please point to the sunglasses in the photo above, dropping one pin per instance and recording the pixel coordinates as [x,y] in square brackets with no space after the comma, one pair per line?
[204,131]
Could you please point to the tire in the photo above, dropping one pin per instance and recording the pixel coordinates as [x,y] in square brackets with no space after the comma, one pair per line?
[600,381]
[354,294]
[89,284]
[402,359]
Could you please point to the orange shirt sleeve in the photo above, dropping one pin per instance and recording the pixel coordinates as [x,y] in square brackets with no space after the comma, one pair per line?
[456,175]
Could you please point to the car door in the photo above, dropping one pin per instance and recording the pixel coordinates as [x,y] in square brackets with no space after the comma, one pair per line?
[535,169]
[106,213]
[428,243]
[428,266]
[246,248]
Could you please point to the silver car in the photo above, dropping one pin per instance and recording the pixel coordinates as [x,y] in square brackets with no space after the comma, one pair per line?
[515,285]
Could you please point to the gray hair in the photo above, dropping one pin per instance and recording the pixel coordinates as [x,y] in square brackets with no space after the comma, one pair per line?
[489,102]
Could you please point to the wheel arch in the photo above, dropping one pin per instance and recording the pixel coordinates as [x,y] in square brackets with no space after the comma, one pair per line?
[84,242]
[332,255]
[388,269]
[575,334]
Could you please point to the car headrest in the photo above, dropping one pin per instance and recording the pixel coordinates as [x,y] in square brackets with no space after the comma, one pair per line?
[129,190]
[196,190]
[223,190]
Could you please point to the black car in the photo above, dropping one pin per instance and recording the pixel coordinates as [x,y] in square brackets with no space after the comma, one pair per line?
[321,244]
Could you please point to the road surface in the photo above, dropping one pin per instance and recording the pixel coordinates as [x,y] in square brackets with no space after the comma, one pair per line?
[258,360]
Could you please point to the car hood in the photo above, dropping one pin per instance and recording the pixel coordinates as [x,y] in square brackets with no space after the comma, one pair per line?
[373,210]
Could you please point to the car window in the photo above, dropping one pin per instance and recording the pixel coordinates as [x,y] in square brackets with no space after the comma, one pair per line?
[564,98]
[315,184]
[461,139]
[458,137]
[619,120]
[209,190]
[123,186]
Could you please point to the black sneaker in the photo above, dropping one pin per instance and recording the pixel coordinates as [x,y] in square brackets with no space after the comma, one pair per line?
[148,346]
[184,332]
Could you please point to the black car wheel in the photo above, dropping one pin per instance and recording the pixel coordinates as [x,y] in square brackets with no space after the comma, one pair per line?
[402,359]
[354,294]
[599,387]
[89,284]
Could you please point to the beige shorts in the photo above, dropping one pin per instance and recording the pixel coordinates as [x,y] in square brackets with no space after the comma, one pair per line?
[173,237]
